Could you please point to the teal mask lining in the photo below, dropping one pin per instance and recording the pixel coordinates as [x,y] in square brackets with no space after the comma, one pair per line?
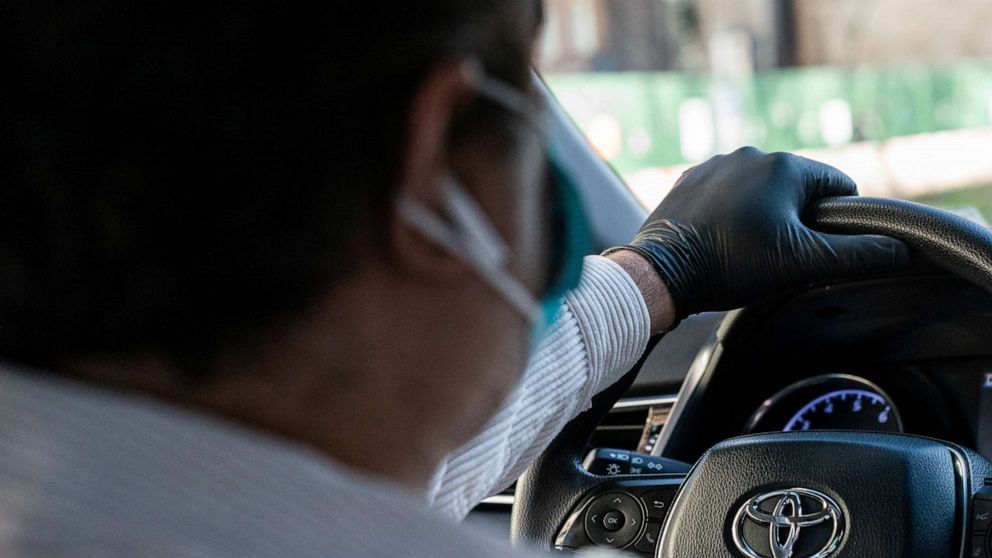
[570,244]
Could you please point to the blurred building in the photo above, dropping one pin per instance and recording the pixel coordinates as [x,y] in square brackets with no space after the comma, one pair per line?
[612,35]
[884,32]
[702,35]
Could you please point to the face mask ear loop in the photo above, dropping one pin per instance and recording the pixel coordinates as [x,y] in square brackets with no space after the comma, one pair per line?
[488,247]
[422,220]
[505,95]
[513,100]
[470,237]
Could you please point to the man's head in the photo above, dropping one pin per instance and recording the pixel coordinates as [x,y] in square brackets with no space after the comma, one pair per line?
[198,202]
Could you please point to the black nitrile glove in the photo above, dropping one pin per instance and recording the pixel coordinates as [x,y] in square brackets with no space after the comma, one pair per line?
[730,233]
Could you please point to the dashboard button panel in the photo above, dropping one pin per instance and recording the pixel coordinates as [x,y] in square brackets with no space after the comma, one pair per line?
[981,523]
[626,513]
[614,520]
[981,515]
[649,539]
[657,502]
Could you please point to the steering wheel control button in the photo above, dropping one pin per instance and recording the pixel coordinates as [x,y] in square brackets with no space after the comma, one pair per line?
[657,502]
[649,540]
[981,510]
[614,520]
[978,547]
[981,515]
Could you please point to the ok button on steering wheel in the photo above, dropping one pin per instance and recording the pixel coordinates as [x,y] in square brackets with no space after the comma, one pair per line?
[614,520]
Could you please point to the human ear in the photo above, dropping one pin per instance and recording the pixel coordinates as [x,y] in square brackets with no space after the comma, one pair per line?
[426,161]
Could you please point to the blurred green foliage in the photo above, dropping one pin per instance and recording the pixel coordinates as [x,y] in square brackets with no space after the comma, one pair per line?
[779,110]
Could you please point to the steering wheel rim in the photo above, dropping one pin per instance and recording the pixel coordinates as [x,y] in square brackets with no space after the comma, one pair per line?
[550,491]
[956,244]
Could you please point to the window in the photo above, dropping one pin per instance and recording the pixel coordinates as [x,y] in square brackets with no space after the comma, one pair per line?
[897,93]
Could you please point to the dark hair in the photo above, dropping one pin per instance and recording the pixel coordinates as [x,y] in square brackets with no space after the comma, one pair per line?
[174,178]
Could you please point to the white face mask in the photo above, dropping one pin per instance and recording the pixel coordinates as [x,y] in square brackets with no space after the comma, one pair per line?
[469,236]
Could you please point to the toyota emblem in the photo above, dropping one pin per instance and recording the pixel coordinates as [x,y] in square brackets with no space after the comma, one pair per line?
[791,523]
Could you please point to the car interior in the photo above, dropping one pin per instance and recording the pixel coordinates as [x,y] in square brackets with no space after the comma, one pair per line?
[766,431]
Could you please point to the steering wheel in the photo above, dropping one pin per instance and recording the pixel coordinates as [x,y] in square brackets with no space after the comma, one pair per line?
[785,494]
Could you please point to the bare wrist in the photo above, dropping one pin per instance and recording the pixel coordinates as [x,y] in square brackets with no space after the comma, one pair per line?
[661,307]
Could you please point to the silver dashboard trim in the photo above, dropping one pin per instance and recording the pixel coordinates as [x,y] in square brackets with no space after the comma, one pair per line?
[650,401]
[699,373]
[499,500]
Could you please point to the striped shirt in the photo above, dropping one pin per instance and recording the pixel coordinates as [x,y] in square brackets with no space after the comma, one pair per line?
[87,472]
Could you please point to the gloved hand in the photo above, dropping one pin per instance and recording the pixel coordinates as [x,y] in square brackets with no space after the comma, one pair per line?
[730,232]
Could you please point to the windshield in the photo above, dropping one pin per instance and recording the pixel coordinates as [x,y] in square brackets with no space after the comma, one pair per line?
[896,93]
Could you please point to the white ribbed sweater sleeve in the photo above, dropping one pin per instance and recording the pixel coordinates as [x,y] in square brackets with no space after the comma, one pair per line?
[600,332]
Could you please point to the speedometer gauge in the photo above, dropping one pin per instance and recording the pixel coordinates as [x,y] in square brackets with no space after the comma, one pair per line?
[828,402]
[845,409]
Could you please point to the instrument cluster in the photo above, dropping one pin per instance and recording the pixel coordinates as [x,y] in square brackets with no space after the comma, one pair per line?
[828,402]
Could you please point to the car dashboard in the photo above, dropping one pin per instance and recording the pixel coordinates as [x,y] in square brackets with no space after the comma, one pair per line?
[910,354]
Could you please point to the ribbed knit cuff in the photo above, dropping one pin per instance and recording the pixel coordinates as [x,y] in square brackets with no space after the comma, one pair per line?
[613,318]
